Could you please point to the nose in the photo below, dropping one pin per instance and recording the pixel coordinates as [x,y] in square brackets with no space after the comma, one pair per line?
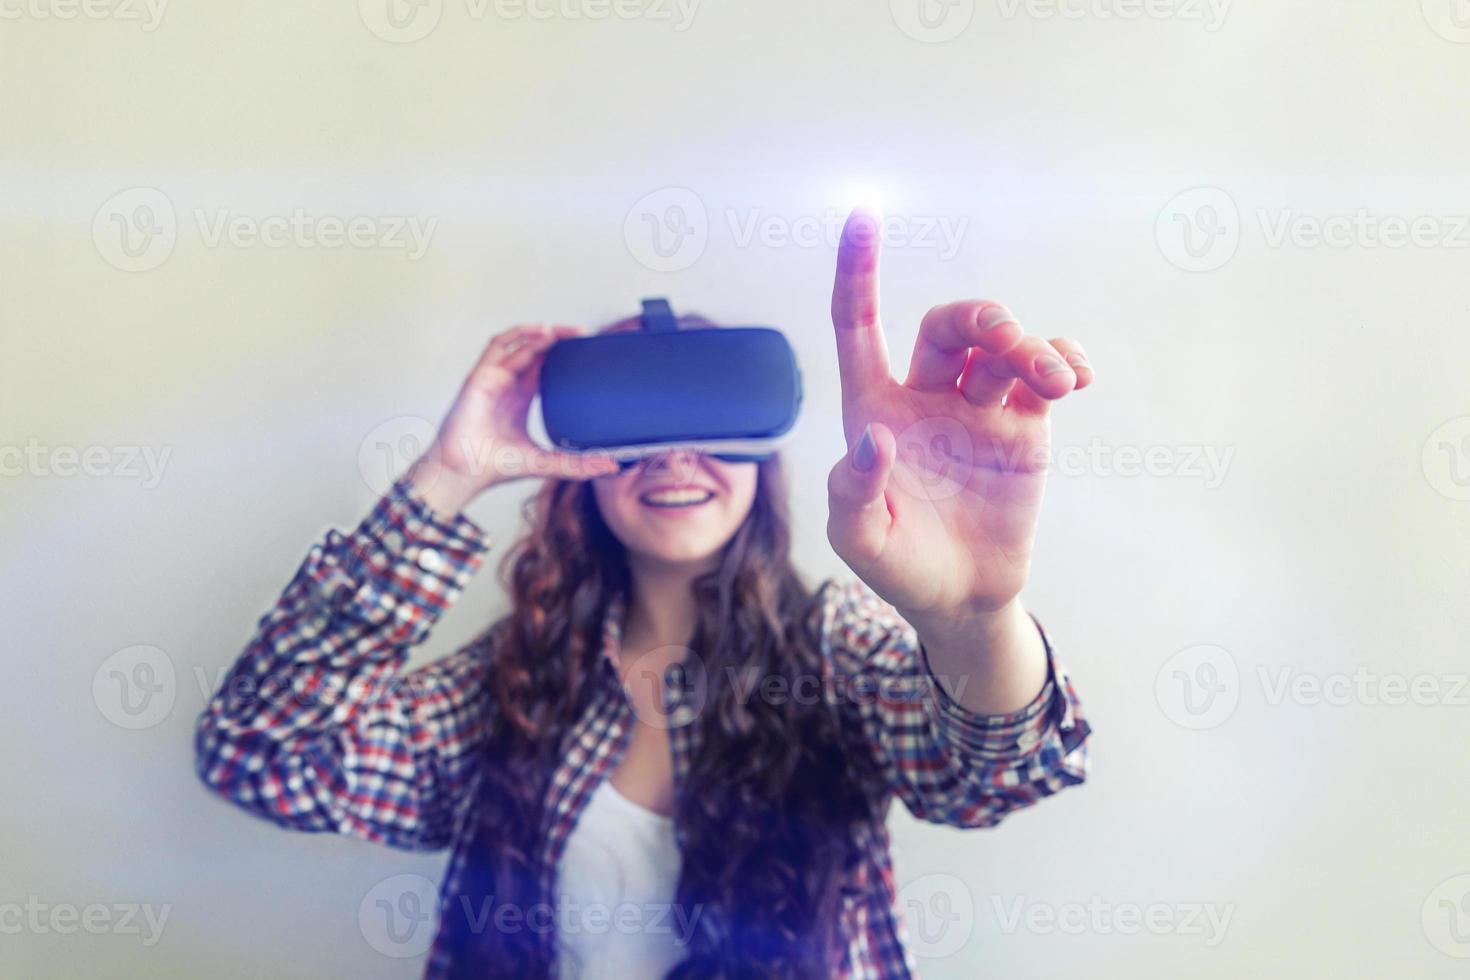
[679,463]
[672,457]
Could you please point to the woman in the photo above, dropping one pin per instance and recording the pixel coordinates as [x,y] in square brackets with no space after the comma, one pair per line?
[729,816]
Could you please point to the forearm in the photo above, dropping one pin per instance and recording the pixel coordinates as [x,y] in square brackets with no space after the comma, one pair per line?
[316,703]
[991,664]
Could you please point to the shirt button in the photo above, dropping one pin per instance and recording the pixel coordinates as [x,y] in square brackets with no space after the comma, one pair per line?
[1027,739]
[430,560]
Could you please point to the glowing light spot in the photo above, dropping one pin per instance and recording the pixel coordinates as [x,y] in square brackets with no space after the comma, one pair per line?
[869,195]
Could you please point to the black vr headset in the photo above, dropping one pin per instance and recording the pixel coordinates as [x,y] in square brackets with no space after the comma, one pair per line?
[731,392]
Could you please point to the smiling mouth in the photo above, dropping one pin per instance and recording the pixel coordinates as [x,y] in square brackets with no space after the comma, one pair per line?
[675,499]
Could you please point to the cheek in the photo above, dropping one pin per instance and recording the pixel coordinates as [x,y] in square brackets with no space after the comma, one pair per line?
[742,493]
[610,495]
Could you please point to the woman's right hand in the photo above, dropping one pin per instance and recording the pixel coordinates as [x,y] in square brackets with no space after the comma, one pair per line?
[483,440]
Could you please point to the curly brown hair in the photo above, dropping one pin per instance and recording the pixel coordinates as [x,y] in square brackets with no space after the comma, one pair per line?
[767,810]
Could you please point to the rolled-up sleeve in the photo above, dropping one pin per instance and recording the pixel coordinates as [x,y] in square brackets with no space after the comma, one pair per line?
[948,764]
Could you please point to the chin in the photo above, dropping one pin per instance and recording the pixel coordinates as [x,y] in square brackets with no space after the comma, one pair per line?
[680,553]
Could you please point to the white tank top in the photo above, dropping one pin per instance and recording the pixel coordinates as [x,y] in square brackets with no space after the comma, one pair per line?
[615,913]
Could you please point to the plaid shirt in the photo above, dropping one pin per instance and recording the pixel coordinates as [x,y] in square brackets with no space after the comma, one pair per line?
[318,729]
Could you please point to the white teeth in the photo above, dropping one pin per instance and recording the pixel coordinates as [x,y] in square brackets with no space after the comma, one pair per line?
[676,498]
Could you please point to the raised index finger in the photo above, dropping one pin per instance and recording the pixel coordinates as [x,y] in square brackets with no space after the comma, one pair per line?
[862,354]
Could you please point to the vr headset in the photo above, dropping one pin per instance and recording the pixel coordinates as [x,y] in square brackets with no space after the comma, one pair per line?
[731,392]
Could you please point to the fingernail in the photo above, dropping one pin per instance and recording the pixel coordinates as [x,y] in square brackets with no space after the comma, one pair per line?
[1049,364]
[866,453]
[1076,360]
[994,316]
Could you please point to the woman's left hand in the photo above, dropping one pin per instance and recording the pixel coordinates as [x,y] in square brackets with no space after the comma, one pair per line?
[938,512]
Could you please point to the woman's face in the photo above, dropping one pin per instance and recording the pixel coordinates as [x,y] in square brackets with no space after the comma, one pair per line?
[678,507]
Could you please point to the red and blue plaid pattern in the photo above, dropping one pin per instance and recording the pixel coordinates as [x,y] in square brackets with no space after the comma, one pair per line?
[317,729]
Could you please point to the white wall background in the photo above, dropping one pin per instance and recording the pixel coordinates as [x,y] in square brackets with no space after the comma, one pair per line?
[1332,543]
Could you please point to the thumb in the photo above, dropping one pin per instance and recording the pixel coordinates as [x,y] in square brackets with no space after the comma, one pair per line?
[857,512]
